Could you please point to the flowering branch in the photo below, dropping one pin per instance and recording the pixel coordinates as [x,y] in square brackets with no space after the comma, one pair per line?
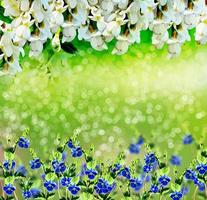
[35,22]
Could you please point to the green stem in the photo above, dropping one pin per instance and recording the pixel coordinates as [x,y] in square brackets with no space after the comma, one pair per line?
[195,192]
[15,195]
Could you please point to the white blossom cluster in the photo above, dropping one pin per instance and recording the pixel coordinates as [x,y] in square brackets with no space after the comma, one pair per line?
[98,21]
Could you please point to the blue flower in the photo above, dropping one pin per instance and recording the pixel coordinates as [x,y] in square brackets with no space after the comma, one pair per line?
[23,143]
[64,155]
[70,144]
[184,190]
[175,160]
[176,195]
[35,192]
[147,178]
[50,185]
[150,159]
[190,175]
[103,187]
[21,170]
[27,194]
[9,165]
[91,173]
[147,168]
[9,189]
[188,139]
[35,163]
[136,184]
[74,189]
[154,189]
[76,152]
[140,140]
[116,168]
[59,167]
[201,186]
[65,181]
[201,168]
[164,180]
[125,173]
[134,148]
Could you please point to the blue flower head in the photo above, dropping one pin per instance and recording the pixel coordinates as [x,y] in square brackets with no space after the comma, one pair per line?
[50,185]
[147,168]
[140,140]
[188,139]
[201,168]
[154,189]
[190,175]
[163,180]
[91,173]
[150,159]
[136,184]
[59,167]
[176,195]
[65,181]
[74,189]
[23,143]
[35,163]
[103,186]
[125,173]
[134,148]
[9,189]
[9,165]
[21,170]
[35,192]
[116,168]
[27,194]
[64,156]
[201,186]
[70,144]
[175,160]
[76,152]
[184,190]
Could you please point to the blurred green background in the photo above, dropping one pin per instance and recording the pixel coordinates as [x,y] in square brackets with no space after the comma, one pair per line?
[108,99]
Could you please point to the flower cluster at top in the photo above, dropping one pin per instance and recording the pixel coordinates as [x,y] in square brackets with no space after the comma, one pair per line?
[74,173]
[33,23]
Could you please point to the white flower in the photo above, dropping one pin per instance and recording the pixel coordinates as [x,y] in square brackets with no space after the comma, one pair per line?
[201,33]
[183,34]
[93,2]
[98,43]
[122,4]
[72,3]
[190,18]
[159,26]
[121,46]
[24,5]
[80,16]
[133,12]
[174,47]
[114,27]
[36,46]
[11,8]
[84,33]
[107,7]
[158,40]
[6,44]
[37,11]
[69,32]
[134,34]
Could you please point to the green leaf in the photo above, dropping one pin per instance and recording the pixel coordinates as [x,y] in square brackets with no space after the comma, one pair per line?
[50,176]
[87,196]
